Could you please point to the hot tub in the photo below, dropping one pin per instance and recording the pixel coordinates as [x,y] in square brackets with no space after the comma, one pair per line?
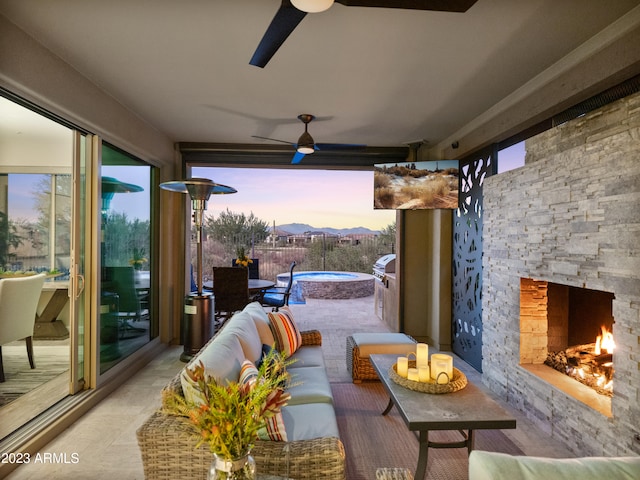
[328,285]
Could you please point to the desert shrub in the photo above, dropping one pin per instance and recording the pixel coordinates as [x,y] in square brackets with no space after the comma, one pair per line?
[380,180]
[384,197]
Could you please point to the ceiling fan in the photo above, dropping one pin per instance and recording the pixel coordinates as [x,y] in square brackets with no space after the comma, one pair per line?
[306,145]
[291,13]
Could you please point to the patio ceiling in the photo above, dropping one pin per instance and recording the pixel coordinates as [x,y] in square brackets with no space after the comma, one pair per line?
[375,76]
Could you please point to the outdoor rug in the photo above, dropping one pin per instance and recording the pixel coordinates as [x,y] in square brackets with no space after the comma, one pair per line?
[372,440]
[50,362]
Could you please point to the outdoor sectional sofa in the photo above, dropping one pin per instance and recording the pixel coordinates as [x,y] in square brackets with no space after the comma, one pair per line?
[313,449]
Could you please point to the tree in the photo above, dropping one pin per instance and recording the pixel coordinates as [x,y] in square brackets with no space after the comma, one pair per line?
[387,238]
[8,238]
[236,228]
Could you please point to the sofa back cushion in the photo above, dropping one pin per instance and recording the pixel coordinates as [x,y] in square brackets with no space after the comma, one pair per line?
[242,326]
[261,320]
[222,359]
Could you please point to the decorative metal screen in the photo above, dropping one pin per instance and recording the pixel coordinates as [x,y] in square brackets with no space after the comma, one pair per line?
[467,260]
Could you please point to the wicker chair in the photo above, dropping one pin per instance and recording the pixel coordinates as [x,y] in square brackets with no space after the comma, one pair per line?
[230,290]
[168,450]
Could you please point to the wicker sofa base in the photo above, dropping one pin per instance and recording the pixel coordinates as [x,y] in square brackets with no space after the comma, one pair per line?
[169,453]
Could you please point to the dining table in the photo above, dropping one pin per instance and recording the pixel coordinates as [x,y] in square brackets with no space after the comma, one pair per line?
[255,284]
[54,298]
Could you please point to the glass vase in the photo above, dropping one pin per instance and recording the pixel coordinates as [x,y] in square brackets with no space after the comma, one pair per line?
[241,468]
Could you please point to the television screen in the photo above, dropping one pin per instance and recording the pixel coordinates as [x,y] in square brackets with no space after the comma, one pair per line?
[416,185]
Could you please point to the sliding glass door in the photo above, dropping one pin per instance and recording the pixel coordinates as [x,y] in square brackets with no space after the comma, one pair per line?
[37,156]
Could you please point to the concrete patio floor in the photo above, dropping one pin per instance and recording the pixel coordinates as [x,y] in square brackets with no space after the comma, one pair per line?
[104,439]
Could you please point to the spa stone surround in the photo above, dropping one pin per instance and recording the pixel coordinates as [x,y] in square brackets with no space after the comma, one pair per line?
[571,216]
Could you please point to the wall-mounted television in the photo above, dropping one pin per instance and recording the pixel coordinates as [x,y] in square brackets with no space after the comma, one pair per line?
[416,185]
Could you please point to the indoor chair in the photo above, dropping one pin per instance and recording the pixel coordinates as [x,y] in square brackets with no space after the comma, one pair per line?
[18,304]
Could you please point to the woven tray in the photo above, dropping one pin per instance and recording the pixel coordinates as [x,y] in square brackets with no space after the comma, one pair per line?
[458,382]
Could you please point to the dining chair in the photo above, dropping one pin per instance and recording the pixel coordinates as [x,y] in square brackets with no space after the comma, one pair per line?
[254,267]
[277,297]
[230,291]
[18,304]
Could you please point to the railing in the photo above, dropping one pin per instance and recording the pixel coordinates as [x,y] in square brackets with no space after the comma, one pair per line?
[317,253]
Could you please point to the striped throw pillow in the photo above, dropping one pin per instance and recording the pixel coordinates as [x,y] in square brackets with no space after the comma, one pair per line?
[285,331]
[274,429]
[274,426]
[248,373]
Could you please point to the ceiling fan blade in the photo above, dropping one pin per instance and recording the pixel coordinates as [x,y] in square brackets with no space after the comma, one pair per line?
[438,5]
[273,140]
[285,21]
[297,157]
[339,146]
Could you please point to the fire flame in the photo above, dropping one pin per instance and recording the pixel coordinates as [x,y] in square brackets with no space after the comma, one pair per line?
[604,342]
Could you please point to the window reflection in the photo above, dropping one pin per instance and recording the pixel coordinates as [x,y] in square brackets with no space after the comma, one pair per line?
[125,256]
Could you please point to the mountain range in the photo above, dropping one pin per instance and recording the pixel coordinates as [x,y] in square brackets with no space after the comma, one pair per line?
[299,228]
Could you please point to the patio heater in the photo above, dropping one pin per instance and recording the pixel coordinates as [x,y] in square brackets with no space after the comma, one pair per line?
[198,316]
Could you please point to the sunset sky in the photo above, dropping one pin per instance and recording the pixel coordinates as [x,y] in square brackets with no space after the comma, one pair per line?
[320,198]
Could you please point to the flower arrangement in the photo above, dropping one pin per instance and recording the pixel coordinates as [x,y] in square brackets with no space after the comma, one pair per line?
[138,259]
[242,259]
[228,416]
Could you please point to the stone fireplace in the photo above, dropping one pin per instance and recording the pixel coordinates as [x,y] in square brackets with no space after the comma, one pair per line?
[567,225]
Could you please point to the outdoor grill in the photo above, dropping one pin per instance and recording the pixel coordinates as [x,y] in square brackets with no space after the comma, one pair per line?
[385,264]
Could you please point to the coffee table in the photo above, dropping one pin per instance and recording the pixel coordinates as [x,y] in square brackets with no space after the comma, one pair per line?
[466,410]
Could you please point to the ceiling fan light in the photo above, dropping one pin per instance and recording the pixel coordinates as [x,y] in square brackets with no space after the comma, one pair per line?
[305,150]
[306,144]
[312,6]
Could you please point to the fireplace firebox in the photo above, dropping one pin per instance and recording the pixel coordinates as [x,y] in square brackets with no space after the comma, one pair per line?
[569,329]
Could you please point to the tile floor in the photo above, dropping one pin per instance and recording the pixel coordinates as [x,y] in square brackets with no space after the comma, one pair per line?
[102,445]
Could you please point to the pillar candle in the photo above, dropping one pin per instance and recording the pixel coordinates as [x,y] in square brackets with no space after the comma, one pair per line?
[402,366]
[422,354]
[441,357]
[440,369]
[423,373]
[447,365]
[412,374]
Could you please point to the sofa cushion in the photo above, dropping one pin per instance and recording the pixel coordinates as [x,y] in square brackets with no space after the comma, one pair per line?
[285,331]
[307,356]
[261,320]
[242,326]
[309,385]
[222,359]
[500,466]
[310,420]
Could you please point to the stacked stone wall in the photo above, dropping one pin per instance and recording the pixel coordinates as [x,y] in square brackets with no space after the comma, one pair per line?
[571,216]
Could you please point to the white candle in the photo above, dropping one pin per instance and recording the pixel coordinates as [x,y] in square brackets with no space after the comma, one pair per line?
[422,354]
[440,369]
[412,374]
[423,373]
[402,366]
[441,357]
